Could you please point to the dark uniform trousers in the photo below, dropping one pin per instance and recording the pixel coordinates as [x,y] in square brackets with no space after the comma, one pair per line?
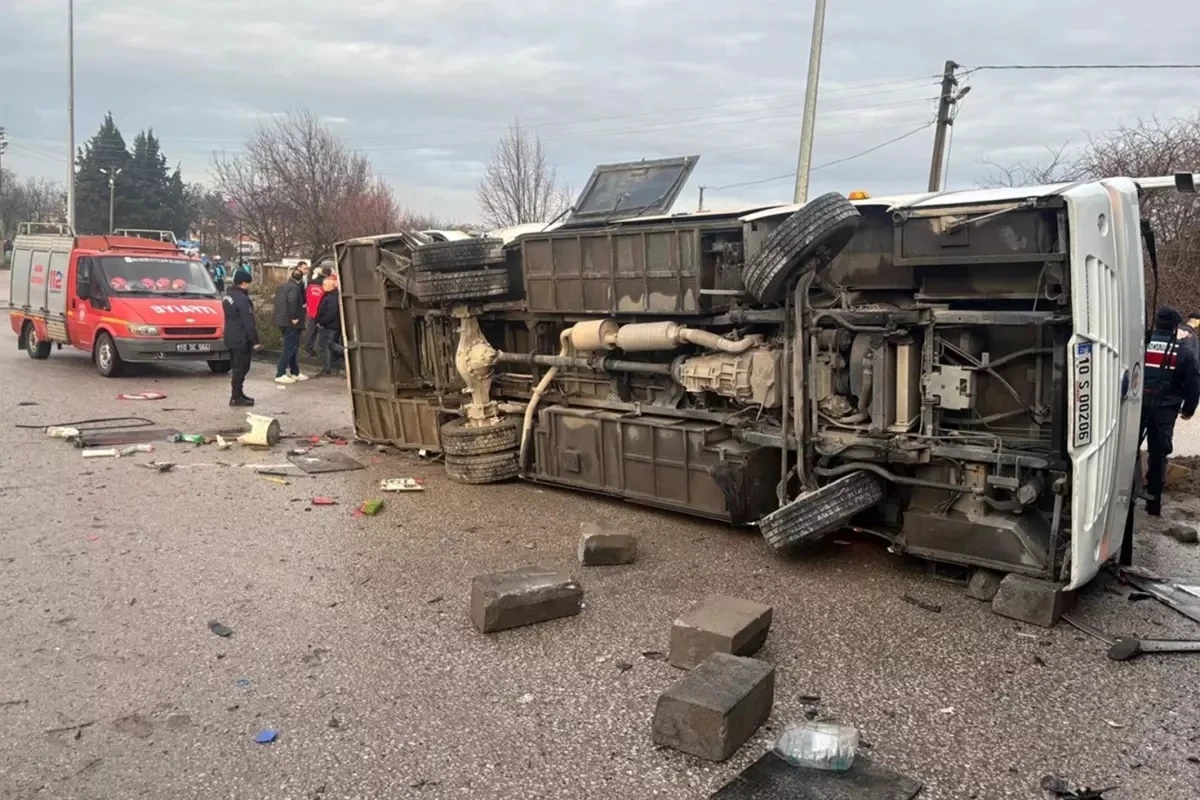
[239,360]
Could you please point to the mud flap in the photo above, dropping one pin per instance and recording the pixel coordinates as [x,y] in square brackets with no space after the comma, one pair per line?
[814,515]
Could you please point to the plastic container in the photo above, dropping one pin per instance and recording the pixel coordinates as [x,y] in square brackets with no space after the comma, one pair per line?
[819,745]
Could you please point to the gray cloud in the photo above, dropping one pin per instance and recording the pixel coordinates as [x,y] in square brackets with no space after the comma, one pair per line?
[426,87]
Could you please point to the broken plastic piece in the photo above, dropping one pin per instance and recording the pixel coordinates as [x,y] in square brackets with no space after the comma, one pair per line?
[819,745]
[107,452]
[62,432]
[142,396]
[324,501]
[370,507]
[264,431]
[137,448]
[402,485]
[266,736]
[222,444]
[273,479]
[224,631]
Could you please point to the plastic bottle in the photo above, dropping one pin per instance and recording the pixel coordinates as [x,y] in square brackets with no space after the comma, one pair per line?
[819,745]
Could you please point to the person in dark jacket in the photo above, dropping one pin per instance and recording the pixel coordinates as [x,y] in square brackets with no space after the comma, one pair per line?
[329,326]
[1172,387]
[241,336]
[289,316]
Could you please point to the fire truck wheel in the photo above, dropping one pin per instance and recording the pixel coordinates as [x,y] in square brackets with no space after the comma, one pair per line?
[108,360]
[220,367]
[458,255]
[443,287]
[816,233]
[489,468]
[459,440]
[34,346]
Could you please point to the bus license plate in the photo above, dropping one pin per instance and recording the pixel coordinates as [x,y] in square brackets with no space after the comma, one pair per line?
[193,347]
[1084,418]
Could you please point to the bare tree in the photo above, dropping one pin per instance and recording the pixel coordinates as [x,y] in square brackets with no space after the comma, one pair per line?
[520,184]
[256,203]
[28,200]
[297,187]
[1057,168]
[1142,149]
[369,213]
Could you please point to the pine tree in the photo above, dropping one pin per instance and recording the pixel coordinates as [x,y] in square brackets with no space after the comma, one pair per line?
[105,150]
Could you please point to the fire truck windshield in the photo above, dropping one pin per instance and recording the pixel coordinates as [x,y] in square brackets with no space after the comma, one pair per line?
[170,277]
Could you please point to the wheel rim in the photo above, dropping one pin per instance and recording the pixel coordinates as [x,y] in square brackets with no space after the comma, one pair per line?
[104,356]
[31,340]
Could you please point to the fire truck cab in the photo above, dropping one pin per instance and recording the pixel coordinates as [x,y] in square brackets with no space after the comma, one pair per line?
[124,299]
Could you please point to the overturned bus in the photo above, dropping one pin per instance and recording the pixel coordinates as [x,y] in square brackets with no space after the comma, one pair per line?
[958,372]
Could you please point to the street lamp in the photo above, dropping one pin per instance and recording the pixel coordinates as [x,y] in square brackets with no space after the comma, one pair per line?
[112,185]
[71,113]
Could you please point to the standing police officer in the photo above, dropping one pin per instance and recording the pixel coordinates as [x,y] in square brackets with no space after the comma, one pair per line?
[1172,386]
[241,336]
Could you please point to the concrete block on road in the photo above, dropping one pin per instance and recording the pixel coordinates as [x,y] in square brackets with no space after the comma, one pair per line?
[1031,600]
[719,625]
[984,584]
[522,596]
[601,546]
[715,708]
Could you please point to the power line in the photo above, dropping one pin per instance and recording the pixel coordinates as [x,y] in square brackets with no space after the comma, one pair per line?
[981,67]
[836,161]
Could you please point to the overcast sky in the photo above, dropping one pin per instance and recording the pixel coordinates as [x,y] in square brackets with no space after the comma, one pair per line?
[425,87]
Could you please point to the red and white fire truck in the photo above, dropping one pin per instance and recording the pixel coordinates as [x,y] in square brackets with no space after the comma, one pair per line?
[124,299]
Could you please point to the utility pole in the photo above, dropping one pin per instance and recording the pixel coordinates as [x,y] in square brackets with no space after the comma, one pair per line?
[3,147]
[944,121]
[804,166]
[71,113]
[699,204]
[112,186]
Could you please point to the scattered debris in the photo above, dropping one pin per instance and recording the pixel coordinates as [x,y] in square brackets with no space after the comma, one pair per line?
[1181,532]
[324,501]
[108,452]
[402,485]
[936,608]
[8,703]
[325,462]
[946,710]
[525,699]
[434,600]
[103,438]
[369,508]
[168,408]
[27,403]
[274,479]
[334,722]
[1110,723]
[242,683]
[623,666]
[266,736]
[654,655]
[142,396]
[224,631]
[189,438]
[1125,649]
[134,449]
[1041,662]
[264,431]
[422,783]
[222,443]
[1066,790]
[161,466]
[70,728]
[1181,594]
[771,776]
[819,745]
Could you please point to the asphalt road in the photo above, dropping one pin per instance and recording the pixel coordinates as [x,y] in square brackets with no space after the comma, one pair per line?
[351,636]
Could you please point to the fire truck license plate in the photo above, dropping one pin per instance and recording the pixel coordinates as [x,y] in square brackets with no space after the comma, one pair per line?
[193,347]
